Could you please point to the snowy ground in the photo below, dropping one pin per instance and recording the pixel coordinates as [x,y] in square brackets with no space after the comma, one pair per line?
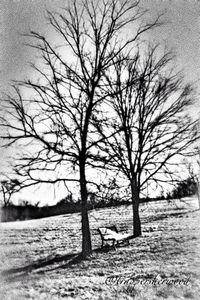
[39,258]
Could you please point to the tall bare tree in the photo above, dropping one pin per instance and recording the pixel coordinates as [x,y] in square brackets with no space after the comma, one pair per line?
[150,104]
[53,116]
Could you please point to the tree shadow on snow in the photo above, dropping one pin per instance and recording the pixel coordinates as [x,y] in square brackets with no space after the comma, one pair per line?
[48,262]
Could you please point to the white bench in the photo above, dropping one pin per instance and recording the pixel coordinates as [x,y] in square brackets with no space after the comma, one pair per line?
[111,234]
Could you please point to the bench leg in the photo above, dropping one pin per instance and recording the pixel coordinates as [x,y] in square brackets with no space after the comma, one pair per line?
[114,246]
[127,242]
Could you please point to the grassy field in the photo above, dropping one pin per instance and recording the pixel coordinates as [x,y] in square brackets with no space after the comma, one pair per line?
[39,259]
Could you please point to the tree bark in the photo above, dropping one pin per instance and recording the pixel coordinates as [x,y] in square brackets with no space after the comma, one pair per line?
[86,237]
[135,203]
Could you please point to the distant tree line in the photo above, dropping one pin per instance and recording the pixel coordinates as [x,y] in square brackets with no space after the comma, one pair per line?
[26,211]
[185,188]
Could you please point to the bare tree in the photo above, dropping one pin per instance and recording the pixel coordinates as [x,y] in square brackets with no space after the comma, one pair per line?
[54,116]
[8,189]
[150,104]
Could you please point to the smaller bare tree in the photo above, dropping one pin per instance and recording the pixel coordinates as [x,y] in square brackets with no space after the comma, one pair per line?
[150,103]
[8,188]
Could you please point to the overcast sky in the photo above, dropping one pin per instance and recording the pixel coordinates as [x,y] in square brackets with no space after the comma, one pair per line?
[181,33]
[20,16]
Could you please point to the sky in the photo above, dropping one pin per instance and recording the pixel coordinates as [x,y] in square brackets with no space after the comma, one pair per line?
[180,32]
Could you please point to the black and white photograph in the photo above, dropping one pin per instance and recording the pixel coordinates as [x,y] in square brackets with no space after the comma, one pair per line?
[99,149]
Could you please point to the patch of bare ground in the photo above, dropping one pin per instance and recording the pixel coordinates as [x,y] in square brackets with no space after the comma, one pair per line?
[39,259]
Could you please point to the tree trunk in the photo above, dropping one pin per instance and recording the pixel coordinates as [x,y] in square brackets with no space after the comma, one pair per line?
[86,237]
[135,203]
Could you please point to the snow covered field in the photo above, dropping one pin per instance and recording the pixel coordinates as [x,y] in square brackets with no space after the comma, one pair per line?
[39,258]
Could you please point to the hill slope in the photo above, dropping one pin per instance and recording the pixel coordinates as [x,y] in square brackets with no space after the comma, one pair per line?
[39,258]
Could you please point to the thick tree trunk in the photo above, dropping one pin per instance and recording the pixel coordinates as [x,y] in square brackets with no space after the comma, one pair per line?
[86,237]
[135,203]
